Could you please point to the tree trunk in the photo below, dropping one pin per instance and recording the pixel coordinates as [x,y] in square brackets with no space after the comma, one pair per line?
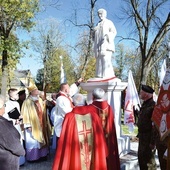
[145,71]
[4,73]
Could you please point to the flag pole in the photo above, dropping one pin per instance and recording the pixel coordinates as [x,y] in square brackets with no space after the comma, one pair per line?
[62,74]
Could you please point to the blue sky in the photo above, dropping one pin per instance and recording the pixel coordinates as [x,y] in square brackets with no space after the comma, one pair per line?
[65,11]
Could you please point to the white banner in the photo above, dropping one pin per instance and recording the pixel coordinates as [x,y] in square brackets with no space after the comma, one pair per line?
[62,75]
[162,73]
[131,101]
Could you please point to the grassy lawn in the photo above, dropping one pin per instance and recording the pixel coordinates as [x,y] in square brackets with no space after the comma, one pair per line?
[125,130]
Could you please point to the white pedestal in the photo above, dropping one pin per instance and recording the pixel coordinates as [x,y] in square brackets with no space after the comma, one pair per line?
[113,90]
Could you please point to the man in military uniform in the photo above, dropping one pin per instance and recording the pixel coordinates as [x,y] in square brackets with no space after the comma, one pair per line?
[145,128]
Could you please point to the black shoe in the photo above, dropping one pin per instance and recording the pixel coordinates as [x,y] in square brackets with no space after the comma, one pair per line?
[43,158]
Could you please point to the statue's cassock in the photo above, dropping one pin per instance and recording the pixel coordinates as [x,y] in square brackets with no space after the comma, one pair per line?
[81,144]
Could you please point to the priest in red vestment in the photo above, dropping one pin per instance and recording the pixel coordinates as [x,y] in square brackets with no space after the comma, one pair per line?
[105,113]
[82,144]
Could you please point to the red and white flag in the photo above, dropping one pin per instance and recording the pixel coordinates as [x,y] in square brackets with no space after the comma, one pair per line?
[131,101]
[62,75]
[162,73]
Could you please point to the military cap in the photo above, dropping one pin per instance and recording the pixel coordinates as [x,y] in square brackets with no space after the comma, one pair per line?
[147,89]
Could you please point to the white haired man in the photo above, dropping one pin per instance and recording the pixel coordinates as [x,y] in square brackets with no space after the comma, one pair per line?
[145,129]
[101,107]
[80,137]
[79,100]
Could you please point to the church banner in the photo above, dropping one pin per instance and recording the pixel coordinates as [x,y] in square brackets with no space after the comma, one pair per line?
[161,113]
[131,101]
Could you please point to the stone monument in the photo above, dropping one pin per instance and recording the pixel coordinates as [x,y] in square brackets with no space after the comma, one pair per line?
[104,34]
[103,37]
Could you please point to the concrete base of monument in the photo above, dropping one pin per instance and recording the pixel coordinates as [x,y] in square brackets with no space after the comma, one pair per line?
[129,161]
[96,79]
[108,84]
[123,145]
[113,87]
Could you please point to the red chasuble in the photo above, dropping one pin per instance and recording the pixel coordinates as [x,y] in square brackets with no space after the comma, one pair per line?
[81,145]
[104,111]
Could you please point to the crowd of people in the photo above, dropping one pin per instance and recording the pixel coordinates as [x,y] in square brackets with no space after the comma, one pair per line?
[27,119]
[88,135]
[84,136]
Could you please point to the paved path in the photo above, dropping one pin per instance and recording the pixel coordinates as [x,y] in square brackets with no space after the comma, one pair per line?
[128,162]
[42,165]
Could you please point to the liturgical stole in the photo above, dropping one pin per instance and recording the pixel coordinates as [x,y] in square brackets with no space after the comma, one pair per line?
[85,136]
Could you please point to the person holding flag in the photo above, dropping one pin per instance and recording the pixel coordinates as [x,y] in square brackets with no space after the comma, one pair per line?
[145,130]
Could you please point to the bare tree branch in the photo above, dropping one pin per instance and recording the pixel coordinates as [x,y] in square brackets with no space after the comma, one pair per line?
[78,25]
[123,38]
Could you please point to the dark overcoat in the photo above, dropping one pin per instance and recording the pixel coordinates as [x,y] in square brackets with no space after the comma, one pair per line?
[10,146]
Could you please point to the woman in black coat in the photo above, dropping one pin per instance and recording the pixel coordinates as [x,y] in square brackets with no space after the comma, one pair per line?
[10,145]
